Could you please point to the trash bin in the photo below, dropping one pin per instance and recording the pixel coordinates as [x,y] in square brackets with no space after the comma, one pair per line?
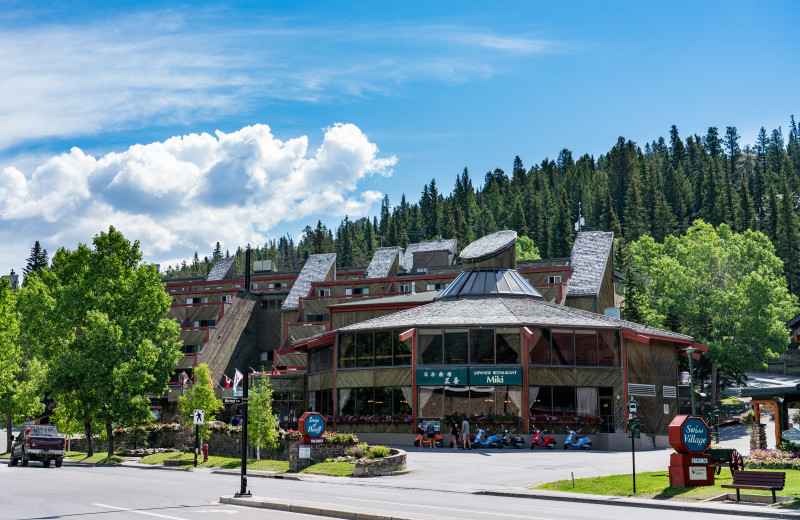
[205,452]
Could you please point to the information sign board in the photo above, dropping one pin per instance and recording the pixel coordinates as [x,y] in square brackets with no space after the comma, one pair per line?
[792,434]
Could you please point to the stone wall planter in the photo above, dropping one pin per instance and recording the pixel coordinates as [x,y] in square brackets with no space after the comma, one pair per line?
[370,468]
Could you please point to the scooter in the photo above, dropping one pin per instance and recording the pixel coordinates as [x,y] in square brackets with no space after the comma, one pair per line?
[510,440]
[459,442]
[490,441]
[540,440]
[437,439]
[577,441]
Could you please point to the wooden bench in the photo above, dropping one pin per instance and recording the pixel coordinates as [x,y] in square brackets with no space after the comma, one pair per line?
[767,480]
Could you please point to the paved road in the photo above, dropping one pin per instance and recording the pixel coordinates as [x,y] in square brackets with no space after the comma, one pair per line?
[123,493]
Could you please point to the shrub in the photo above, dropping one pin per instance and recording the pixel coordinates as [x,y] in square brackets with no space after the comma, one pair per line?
[790,447]
[358,451]
[378,452]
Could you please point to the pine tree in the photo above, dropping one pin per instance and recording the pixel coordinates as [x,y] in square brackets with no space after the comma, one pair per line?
[37,260]
[608,219]
[675,192]
[787,244]
[486,223]
[663,220]
[745,214]
[772,216]
[676,149]
[731,143]
[383,228]
[635,214]
[217,254]
[517,219]
[560,243]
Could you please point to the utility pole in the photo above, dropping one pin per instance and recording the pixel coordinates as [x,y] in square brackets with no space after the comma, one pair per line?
[243,492]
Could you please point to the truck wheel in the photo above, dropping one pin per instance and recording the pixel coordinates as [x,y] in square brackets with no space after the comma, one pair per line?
[12,461]
[59,461]
[24,461]
[46,463]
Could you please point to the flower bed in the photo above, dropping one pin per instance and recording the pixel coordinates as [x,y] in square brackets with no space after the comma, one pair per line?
[488,418]
[771,459]
[367,419]
[581,420]
[147,428]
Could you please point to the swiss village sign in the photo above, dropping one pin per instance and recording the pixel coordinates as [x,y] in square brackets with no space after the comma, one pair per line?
[689,436]
[463,376]
[312,426]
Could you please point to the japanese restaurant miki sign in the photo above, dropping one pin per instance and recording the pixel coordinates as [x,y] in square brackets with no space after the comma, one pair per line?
[439,376]
[462,376]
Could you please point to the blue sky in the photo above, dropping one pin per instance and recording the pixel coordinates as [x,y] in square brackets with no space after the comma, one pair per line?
[237,122]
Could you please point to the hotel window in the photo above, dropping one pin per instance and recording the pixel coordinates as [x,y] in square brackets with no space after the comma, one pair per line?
[323,292]
[316,317]
[481,346]
[554,279]
[254,286]
[356,291]
[278,285]
[406,287]
[430,346]
[226,298]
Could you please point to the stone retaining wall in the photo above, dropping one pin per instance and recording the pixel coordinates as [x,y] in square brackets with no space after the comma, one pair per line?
[319,452]
[368,468]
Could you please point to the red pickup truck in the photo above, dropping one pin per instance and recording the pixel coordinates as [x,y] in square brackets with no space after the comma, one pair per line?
[39,442]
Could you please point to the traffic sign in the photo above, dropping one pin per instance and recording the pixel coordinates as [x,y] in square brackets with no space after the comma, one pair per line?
[233,400]
[633,406]
[199,417]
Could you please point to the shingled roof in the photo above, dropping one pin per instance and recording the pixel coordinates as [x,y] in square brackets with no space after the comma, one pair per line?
[501,310]
[220,269]
[316,269]
[489,245]
[590,254]
[442,244]
[382,262]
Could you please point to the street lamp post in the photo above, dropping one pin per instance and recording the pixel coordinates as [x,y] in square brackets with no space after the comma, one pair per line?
[689,353]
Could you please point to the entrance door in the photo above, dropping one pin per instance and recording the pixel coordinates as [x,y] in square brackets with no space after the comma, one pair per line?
[607,414]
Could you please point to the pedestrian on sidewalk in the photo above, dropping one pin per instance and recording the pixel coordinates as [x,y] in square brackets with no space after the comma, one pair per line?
[431,434]
[465,432]
[454,434]
[421,434]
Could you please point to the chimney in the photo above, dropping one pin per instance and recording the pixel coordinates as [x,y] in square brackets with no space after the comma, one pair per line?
[247,269]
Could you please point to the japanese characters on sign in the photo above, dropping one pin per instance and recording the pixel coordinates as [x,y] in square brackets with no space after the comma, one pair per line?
[441,376]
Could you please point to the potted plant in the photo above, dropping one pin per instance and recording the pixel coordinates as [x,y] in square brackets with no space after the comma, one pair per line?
[748,418]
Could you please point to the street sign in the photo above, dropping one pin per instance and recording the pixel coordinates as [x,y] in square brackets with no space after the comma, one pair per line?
[199,417]
[634,431]
[633,406]
[233,400]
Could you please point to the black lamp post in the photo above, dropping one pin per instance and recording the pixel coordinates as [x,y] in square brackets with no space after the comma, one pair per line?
[689,353]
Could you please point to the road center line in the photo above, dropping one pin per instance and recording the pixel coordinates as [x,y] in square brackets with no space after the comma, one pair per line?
[140,512]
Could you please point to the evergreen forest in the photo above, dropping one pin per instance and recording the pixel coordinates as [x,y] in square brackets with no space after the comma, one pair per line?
[657,190]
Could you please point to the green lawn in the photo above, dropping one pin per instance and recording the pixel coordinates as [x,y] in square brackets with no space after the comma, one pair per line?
[97,458]
[729,400]
[215,461]
[655,484]
[331,469]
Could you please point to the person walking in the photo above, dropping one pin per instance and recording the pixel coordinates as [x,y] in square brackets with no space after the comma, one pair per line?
[454,435]
[431,434]
[421,434]
[465,433]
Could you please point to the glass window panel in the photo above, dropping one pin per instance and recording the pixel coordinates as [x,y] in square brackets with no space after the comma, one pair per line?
[564,399]
[609,348]
[586,348]
[365,402]
[431,400]
[481,346]
[540,347]
[481,400]
[563,348]
[383,400]
[402,350]
[347,350]
[543,403]
[399,403]
[455,346]
[383,348]
[347,401]
[365,349]
[509,399]
[456,400]
[508,346]
[430,347]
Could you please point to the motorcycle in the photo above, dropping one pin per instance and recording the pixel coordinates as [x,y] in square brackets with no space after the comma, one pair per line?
[510,440]
[577,441]
[539,439]
[437,439]
[490,441]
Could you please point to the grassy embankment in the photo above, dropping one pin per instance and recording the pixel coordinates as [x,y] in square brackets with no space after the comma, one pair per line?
[655,484]
[334,469]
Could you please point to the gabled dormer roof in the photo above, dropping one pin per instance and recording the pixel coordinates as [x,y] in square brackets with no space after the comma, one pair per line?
[221,270]
[590,254]
[448,245]
[382,261]
[316,269]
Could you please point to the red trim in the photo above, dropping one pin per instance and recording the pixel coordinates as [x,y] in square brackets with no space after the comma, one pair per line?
[527,336]
[327,338]
[403,337]
[545,269]
[407,334]
[335,388]
[641,338]
[625,374]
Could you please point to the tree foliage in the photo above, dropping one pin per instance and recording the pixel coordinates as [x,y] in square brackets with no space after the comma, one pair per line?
[725,289]
[200,396]
[262,423]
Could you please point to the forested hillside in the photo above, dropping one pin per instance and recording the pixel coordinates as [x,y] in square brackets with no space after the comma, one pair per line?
[656,189]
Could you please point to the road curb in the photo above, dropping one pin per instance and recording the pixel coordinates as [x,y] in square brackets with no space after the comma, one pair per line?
[721,509]
[310,508]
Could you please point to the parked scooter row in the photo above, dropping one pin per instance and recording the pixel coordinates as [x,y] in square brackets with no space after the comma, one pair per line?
[510,440]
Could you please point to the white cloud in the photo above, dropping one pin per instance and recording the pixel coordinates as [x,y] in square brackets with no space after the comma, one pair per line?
[188,192]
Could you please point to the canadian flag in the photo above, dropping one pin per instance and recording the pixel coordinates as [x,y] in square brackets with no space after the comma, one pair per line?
[227,381]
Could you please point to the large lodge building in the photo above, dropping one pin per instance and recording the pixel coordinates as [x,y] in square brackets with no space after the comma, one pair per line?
[418,334]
